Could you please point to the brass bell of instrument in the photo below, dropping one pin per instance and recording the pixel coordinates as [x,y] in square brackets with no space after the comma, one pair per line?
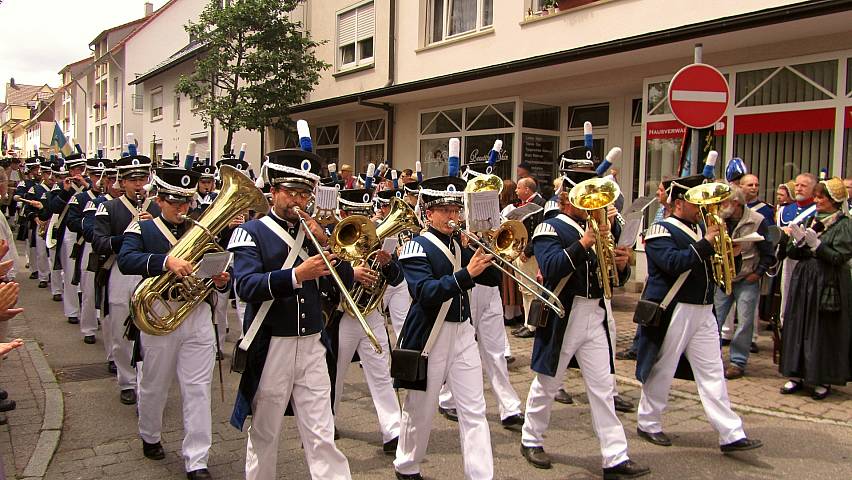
[595,195]
[484,183]
[709,197]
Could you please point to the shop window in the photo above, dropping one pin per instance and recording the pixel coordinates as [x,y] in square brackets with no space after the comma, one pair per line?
[484,117]
[597,114]
[542,117]
[477,148]
[369,144]
[787,84]
[433,156]
[636,112]
[658,102]
[326,145]
[541,152]
[447,18]
[355,30]
[849,76]
[446,121]
[847,153]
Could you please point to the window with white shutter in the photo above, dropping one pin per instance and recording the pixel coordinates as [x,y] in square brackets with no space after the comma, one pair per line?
[355,30]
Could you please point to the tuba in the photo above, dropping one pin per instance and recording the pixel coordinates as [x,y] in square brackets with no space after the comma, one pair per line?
[160,304]
[594,196]
[708,197]
[356,240]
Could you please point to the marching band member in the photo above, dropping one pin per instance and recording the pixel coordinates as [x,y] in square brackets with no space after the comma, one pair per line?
[188,351]
[439,272]
[396,299]
[280,275]
[569,266]
[26,216]
[679,251]
[351,338]
[59,205]
[88,316]
[31,212]
[111,220]
[40,194]
[58,173]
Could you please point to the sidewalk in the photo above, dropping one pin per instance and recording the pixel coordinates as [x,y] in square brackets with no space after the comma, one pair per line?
[100,440]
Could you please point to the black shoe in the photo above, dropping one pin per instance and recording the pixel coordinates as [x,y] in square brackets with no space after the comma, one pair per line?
[89,339]
[73,320]
[33,275]
[524,332]
[536,456]
[3,394]
[128,396]
[200,474]
[154,451]
[515,420]
[389,447]
[658,438]
[726,342]
[42,284]
[515,331]
[111,367]
[7,405]
[625,355]
[449,413]
[753,348]
[795,387]
[510,360]
[408,476]
[57,297]
[820,392]
[220,356]
[563,397]
[622,405]
[741,445]
[336,434]
[625,469]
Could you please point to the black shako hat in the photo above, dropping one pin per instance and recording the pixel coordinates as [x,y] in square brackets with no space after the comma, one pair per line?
[411,188]
[133,166]
[577,158]
[355,199]
[177,185]
[677,187]
[292,168]
[206,171]
[442,191]
[385,196]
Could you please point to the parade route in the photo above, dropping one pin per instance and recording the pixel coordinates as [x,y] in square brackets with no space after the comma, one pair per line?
[99,439]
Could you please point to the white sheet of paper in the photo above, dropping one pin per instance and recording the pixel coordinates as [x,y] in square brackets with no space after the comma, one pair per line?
[751,237]
[213,263]
[389,244]
[630,230]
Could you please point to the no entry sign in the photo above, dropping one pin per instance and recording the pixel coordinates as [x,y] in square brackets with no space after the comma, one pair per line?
[698,95]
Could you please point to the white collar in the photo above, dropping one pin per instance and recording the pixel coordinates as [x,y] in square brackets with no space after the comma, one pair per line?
[672,220]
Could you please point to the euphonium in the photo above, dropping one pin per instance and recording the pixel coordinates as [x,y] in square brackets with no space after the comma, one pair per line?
[356,240]
[160,304]
[595,195]
[708,197]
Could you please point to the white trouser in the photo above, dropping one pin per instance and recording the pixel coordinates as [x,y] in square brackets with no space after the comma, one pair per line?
[486,310]
[189,352]
[728,327]
[376,369]
[32,256]
[693,331]
[397,300]
[70,300]
[530,267]
[221,317]
[88,313]
[454,359]
[586,340]
[241,308]
[42,260]
[295,369]
[787,268]
[121,288]
[56,285]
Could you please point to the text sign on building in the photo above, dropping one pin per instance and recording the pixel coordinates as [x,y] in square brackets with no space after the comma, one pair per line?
[698,95]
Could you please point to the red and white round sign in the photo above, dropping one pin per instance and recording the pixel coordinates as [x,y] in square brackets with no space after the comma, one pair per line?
[698,95]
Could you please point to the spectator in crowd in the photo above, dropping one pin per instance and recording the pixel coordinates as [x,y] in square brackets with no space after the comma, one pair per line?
[848,184]
[346,174]
[508,195]
[752,259]
[407,176]
[524,170]
[817,326]
[750,185]
[527,191]
[784,194]
[512,310]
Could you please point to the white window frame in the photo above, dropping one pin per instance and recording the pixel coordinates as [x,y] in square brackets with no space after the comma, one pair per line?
[176,109]
[114,91]
[362,21]
[445,35]
[154,115]
[357,143]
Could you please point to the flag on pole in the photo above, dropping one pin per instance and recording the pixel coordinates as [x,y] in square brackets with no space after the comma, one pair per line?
[59,141]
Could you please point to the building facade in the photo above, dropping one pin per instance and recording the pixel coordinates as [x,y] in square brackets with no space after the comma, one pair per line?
[24,107]
[71,100]
[481,70]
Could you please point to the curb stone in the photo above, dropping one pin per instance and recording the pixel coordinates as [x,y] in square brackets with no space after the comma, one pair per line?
[54,416]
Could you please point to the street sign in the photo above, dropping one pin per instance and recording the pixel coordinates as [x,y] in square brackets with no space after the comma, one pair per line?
[698,95]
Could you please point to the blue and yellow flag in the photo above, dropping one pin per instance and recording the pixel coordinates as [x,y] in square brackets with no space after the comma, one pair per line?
[59,141]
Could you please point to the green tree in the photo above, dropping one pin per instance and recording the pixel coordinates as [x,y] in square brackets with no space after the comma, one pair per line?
[257,63]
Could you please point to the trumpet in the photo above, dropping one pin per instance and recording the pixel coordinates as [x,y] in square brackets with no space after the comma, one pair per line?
[509,241]
[350,302]
[595,195]
[708,197]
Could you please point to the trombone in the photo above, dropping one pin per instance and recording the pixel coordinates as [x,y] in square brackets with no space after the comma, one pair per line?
[509,240]
[350,302]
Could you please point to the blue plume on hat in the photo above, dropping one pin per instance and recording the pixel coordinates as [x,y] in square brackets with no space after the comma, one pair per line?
[710,165]
[453,161]
[823,173]
[189,159]
[131,144]
[587,135]
[79,150]
[368,180]
[612,156]
[736,169]
[394,179]
[418,167]
[100,153]
[494,154]
[332,171]
[304,136]
[242,154]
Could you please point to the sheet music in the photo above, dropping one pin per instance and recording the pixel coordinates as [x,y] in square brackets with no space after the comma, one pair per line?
[326,198]
[640,204]
[630,229]
[751,237]
[482,210]
[524,212]
[213,263]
